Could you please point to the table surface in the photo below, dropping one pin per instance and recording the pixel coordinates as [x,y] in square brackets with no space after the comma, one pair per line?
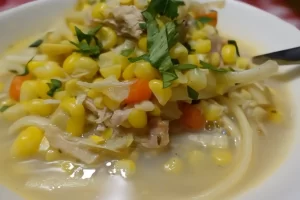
[288,10]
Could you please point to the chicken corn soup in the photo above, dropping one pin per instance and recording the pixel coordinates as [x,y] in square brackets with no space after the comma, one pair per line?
[137,100]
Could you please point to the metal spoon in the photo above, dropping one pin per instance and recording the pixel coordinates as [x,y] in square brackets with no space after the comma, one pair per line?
[284,57]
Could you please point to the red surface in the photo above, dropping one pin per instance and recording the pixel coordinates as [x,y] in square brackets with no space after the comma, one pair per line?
[288,10]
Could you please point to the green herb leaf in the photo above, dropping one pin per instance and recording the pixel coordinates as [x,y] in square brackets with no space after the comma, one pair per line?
[233,42]
[168,78]
[4,108]
[152,28]
[168,8]
[86,49]
[189,48]
[185,66]
[54,86]
[143,25]
[37,43]
[94,30]
[205,20]
[26,68]
[127,52]
[213,68]
[193,94]
[142,57]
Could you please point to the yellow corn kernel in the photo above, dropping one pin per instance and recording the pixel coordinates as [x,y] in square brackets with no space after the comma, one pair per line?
[173,165]
[202,46]
[120,40]
[49,71]
[215,59]
[78,64]
[198,34]
[28,90]
[97,139]
[92,93]
[114,70]
[212,112]
[221,157]
[15,112]
[156,112]
[107,134]
[191,59]
[38,107]
[110,104]
[195,158]
[72,88]
[125,168]
[242,63]
[141,4]
[274,115]
[163,95]
[73,109]
[137,118]
[145,70]
[229,54]
[126,2]
[60,95]
[56,49]
[178,51]
[108,37]
[32,65]
[142,44]
[128,73]
[52,155]
[98,101]
[98,10]
[43,89]
[27,143]
[75,126]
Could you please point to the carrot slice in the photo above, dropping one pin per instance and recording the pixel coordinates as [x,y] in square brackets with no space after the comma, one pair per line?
[211,17]
[191,118]
[15,86]
[139,91]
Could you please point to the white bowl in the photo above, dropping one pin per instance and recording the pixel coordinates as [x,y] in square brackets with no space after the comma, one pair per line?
[238,20]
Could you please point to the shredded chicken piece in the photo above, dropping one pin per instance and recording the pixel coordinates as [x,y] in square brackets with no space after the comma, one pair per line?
[102,114]
[119,117]
[159,134]
[126,21]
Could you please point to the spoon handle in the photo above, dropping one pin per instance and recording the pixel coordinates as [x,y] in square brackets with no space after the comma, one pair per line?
[288,56]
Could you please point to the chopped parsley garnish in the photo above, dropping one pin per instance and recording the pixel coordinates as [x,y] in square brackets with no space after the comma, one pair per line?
[185,66]
[193,94]
[142,57]
[189,48]
[233,42]
[26,72]
[168,78]
[127,52]
[143,25]
[37,43]
[54,86]
[205,19]
[85,39]
[213,68]
[168,8]
[4,108]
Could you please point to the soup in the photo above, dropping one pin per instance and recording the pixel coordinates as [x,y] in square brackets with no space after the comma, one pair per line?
[116,103]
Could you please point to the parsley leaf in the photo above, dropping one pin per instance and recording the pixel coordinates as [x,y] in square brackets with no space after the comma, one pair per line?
[142,57]
[37,43]
[84,46]
[143,25]
[26,68]
[185,66]
[205,19]
[193,94]
[213,68]
[168,78]
[167,8]
[152,28]
[172,34]
[233,42]
[127,52]
[54,86]
[4,108]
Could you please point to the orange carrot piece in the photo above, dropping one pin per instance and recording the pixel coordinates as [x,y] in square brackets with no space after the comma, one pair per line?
[139,91]
[15,86]
[191,118]
[212,15]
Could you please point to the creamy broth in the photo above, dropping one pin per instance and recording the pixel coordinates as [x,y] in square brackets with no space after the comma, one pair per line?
[68,178]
